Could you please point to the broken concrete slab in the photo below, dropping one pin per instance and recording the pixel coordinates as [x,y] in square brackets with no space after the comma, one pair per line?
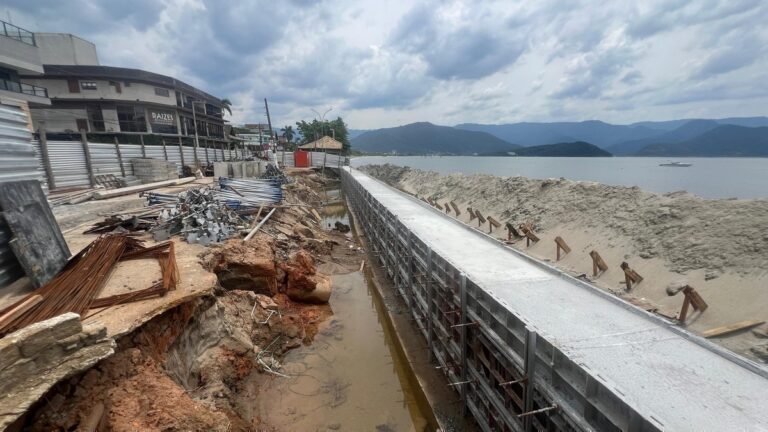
[36,358]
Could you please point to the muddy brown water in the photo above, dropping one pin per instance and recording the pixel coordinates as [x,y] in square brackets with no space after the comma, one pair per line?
[350,378]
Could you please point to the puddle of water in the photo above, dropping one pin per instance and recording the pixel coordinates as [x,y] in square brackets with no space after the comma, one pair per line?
[350,378]
[335,210]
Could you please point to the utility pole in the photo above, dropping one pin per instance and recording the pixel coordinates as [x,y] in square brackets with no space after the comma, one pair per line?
[197,142]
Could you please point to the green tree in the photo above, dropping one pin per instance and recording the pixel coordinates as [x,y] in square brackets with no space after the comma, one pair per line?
[288,133]
[311,131]
[226,105]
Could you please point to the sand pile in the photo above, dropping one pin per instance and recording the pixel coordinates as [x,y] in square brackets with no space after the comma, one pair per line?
[718,246]
[687,231]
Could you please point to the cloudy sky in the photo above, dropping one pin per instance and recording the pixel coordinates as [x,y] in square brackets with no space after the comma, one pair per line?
[386,63]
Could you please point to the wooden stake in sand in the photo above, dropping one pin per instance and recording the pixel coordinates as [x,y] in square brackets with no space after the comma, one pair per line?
[692,298]
[529,235]
[437,204]
[561,245]
[480,218]
[455,209]
[598,265]
[471,214]
[492,223]
[447,208]
[630,276]
[512,231]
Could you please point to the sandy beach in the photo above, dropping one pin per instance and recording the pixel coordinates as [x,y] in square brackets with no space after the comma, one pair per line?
[717,246]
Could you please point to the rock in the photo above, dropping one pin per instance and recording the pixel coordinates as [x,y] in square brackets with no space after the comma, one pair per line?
[304,285]
[245,266]
[39,336]
[303,231]
[266,302]
[342,227]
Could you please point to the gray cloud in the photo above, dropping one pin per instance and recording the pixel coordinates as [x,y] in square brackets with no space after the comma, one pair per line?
[560,59]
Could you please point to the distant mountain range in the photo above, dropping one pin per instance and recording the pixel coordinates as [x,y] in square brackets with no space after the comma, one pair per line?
[571,149]
[736,136]
[426,138]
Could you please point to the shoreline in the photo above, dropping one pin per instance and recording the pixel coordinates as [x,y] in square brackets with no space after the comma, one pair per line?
[716,246]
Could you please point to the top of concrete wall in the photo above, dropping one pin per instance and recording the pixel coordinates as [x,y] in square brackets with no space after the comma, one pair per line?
[66,49]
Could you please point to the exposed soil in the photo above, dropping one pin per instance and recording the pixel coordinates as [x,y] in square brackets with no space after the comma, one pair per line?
[184,370]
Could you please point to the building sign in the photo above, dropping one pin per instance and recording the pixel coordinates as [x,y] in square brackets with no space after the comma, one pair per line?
[162,121]
[164,118]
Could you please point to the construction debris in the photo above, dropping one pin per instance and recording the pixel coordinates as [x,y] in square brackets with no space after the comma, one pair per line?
[731,328]
[249,192]
[140,188]
[197,214]
[76,287]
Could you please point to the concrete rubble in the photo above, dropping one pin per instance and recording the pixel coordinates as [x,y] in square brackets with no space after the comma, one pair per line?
[35,358]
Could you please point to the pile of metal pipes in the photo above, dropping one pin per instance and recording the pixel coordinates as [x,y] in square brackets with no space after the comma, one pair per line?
[249,192]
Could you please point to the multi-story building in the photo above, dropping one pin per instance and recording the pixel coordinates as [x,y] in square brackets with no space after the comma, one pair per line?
[20,55]
[85,95]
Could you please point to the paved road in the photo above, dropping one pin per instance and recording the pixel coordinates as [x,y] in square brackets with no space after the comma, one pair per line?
[664,373]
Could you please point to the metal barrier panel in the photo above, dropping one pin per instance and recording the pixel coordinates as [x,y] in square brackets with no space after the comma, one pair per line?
[18,159]
[189,155]
[68,164]
[128,152]
[104,159]
[508,377]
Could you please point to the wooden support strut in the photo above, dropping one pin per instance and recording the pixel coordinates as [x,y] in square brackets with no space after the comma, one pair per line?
[630,276]
[492,223]
[480,218]
[692,298]
[455,209]
[561,245]
[598,265]
[529,235]
[512,231]
[447,207]
[471,214]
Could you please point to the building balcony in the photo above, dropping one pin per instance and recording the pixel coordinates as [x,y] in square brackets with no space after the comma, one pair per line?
[17,33]
[27,89]
[26,92]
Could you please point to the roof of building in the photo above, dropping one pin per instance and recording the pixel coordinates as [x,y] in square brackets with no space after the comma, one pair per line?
[324,143]
[123,74]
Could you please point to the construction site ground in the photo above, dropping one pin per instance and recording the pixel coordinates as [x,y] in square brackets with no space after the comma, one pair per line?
[200,357]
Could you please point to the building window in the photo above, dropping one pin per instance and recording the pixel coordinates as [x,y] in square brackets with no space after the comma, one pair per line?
[82,124]
[178,99]
[162,92]
[131,118]
[74,87]
[117,86]
[88,85]
[95,118]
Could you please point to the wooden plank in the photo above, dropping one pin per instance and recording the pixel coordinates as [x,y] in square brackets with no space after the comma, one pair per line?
[730,328]
[37,241]
[141,188]
[493,222]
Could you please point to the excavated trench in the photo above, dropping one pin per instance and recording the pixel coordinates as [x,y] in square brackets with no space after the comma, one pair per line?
[248,357]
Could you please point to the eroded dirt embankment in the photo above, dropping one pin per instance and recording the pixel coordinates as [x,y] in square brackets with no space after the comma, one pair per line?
[185,369]
[718,246]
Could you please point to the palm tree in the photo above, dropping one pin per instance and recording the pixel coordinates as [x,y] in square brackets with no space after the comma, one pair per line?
[226,104]
[288,133]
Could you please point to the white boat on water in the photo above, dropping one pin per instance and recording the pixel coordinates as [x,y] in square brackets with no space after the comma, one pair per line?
[676,164]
